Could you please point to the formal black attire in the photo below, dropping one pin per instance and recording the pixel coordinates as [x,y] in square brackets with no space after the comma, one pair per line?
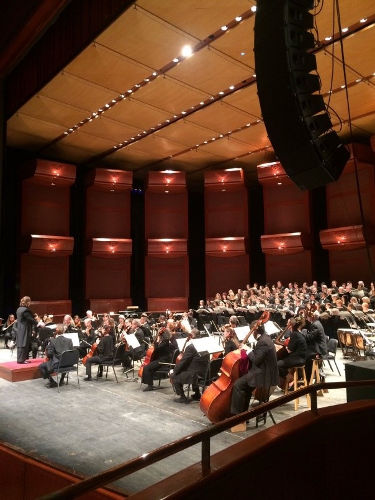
[25,323]
[137,353]
[54,350]
[191,366]
[316,344]
[104,352]
[162,353]
[297,357]
[263,373]
[86,340]
[229,346]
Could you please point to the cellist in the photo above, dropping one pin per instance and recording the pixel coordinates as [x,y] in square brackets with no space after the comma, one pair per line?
[263,372]
[163,348]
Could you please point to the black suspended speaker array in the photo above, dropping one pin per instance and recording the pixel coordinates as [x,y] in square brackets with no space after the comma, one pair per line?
[295,115]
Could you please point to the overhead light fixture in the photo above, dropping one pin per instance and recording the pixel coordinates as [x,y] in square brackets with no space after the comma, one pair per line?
[243,53]
[130,91]
[344,30]
[221,92]
[253,8]
[232,87]
[238,19]
[363,20]
[224,28]
[175,60]
[187,51]
[328,38]
[155,73]
[201,103]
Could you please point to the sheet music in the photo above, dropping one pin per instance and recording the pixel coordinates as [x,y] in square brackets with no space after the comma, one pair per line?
[132,340]
[181,343]
[207,344]
[270,328]
[74,338]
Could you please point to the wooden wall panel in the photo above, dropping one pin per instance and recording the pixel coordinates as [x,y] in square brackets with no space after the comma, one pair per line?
[224,273]
[226,212]
[166,276]
[108,214]
[288,268]
[44,278]
[166,214]
[107,277]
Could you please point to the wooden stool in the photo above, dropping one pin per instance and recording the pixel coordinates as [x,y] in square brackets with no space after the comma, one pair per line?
[299,380]
[315,374]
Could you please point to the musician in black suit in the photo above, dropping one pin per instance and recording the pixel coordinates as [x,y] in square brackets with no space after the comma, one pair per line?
[296,348]
[191,366]
[163,348]
[263,372]
[316,341]
[104,352]
[56,346]
[25,324]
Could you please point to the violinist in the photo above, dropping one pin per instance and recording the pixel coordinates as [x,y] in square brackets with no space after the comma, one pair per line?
[87,337]
[263,372]
[164,346]
[137,353]
[68,324]
[191,366]
[8,328]
[121,327]
[105,346]
[145,326]
[77,322]
[296,348]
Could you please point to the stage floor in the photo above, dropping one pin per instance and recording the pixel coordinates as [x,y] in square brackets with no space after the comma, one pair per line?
[103,424]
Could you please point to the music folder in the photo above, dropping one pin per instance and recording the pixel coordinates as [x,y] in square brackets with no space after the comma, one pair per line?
[74,338]
[132,340]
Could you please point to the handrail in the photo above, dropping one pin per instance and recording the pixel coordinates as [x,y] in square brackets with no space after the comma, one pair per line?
[135,464]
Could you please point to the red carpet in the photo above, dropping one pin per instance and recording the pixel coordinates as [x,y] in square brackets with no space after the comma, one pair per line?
[14,372]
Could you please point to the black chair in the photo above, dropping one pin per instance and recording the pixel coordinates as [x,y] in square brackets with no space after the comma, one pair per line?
[163,372]
[116,360]
[262,395]
[68,363]
[212,373]
[331,355]
[134,356]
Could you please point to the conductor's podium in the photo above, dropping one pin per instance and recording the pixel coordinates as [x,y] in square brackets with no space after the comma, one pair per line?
[15,372]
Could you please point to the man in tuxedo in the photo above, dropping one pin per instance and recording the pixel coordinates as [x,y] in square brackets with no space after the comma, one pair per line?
[57,345]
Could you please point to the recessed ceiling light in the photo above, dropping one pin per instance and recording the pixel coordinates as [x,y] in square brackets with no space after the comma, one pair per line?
[254,75]
[243,53]
[253,8]
[183,112]
[186,51]
[358,80]
[147,79]
[224,28]
[107,105]
[232,87]
[363,20]
[201,103]
[221,92]
[344,30]
[130,91]
[175,60]
[238,19]
[248,124]
[137,85]
[328,38]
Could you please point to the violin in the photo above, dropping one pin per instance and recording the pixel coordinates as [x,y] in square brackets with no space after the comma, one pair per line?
[91,353]
[216,399]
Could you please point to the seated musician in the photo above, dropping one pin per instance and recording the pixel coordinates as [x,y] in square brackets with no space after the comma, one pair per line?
[139,351]
[145,326]
[77,322]
[164,346]
[263,372]
[86,337]
[56,346]
[104,350]
[296,349]
[68,324]
[7,329]
[191,366]
[231,342]
[315,339]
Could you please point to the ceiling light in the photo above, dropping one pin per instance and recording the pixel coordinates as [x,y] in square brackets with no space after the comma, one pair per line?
[130,91]
[212,97]
[221,92]
[224,28]
[238,19]
[213,139]
[66,133]
[70,130]
[107,105]
[137,85]
[205,142]
[243,53]
[253,8]
[201,103]
[344,30]
[100,110]
[248,124]
[279,183]
[342,86]
[358,80]
[183,112]
[175,60]
[221,135]
[186,51]
[132,138]
[254,75]
[175,116]
[147,80]
[122,96]
[114,100]
[167,121]
[328,38]
[154,73]
[363,20]
[232,87]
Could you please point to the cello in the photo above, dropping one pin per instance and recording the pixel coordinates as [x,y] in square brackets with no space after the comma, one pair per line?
[216,399]
[149,353]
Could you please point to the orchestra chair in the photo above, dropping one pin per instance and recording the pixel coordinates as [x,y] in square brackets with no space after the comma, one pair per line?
[315,374]
[359,345]
[262,394]
[331,354]
[133,357]
[212,373]
[163,372]
[299,380]
[68,363]
[116,360]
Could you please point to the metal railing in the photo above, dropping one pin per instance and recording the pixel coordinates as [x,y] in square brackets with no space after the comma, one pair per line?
[203,437]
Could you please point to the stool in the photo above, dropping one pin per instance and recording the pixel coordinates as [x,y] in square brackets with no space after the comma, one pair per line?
[299,380]
[315,374]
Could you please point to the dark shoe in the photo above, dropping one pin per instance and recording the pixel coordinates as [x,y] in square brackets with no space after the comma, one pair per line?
[86,379]
[51,384]
[196,396]
[148,388]
[100,374]
[181,399]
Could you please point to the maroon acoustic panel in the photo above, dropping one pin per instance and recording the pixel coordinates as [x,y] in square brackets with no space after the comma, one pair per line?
[272,174]
[171,303]
[167,247]
[48,245]
[58,308]
[289,268]
[342,197]
[113,181]
[109,305]
[45,209]
[225,273]
[226,247]
[219,180]
[343,238]
[352,265]
[284,243]
[107,278]
[110,247]
[166,181]
[166,277]
[226,212]
[107,213]
[44,279]
[49,173]
[166,214]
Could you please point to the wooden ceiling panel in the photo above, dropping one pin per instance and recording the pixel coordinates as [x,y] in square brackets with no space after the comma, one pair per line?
[43,132]
[49,110]
[129,158]
[16,138]
[359,51]
[68,153]
[361,101]
[219,117]
[246,100]
[158,146]
[106,68]
[191,160]
[210,72]
[239,43]
[171,95]
[227,147]
[256,137]
[71,90]
[186,132]
[136,114]
[197,17]
[90,143]
[108,129]
[143,37]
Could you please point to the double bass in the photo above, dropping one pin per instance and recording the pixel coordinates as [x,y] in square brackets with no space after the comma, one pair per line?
[216,399]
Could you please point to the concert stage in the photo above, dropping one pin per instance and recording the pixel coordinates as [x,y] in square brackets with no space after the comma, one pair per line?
[15,372]
[103,424]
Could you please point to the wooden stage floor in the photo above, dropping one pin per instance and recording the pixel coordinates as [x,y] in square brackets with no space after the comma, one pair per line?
[103,424]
